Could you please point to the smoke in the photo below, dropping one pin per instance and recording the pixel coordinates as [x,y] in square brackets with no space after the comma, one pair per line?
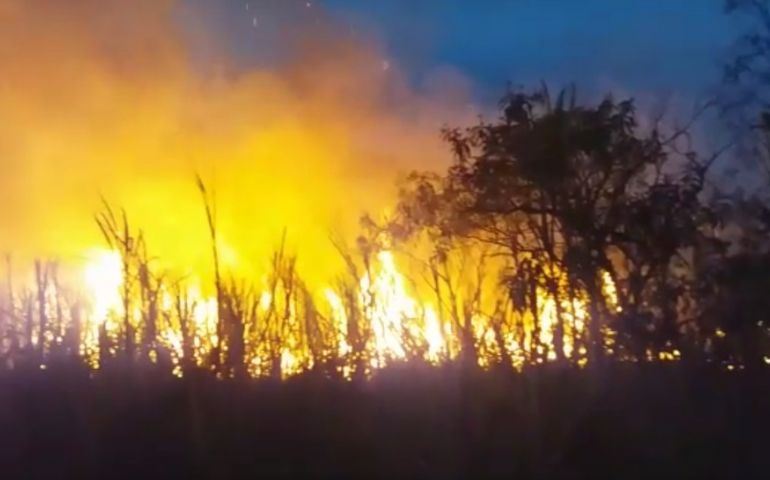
[130,100]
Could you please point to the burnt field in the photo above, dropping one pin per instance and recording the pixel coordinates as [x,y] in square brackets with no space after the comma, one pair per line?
[630,421]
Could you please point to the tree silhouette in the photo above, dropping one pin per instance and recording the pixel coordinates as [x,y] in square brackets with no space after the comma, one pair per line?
[746,98]
[573,190]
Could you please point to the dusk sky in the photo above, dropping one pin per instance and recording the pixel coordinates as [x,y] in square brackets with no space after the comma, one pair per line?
[356,85]
[654,47]
[384,239]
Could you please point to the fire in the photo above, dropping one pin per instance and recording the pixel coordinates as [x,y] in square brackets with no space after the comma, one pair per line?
[286,149]
[395,315]
[129,114]
[339,316]
[88,110]
[435,334]
[103,277]
[384,300]
[402,325]
[387,306]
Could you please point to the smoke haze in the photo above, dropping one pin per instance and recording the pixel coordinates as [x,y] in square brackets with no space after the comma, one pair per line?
[130,100]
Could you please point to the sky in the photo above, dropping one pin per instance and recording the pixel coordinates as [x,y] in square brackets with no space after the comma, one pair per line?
[646,47]
[318,106]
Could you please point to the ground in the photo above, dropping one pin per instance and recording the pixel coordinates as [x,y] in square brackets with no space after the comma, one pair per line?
[410,421]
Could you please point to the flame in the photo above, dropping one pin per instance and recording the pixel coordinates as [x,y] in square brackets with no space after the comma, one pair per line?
[435,334]
[119,107]
[396,315]
[103,277]
[127,109]
[398,319]
[385,302]
[340,319]
[387,306]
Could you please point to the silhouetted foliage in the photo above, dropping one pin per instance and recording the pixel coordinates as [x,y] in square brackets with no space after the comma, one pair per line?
[561,234]
[566,189]
[746,96]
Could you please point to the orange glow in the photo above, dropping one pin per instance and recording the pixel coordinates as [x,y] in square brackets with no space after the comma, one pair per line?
[391,308]
[97,106]
[88,110]
[103,277]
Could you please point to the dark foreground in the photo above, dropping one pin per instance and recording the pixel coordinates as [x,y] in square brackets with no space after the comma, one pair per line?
[653,421]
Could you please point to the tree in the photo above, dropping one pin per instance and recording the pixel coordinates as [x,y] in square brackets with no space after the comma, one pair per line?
[746,98]
[577,198]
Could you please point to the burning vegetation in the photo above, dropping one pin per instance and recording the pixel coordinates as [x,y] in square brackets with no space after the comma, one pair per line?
[560,233]
[312,264]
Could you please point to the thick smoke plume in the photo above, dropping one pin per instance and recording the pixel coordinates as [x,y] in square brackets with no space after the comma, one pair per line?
[130,100]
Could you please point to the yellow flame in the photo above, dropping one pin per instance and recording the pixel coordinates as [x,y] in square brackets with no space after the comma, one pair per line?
[103,277]
[340,319]
[399,321]
[434,335]
[387,305]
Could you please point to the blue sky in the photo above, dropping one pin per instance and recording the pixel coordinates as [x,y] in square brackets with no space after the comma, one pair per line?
[665,46]
[653,46]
